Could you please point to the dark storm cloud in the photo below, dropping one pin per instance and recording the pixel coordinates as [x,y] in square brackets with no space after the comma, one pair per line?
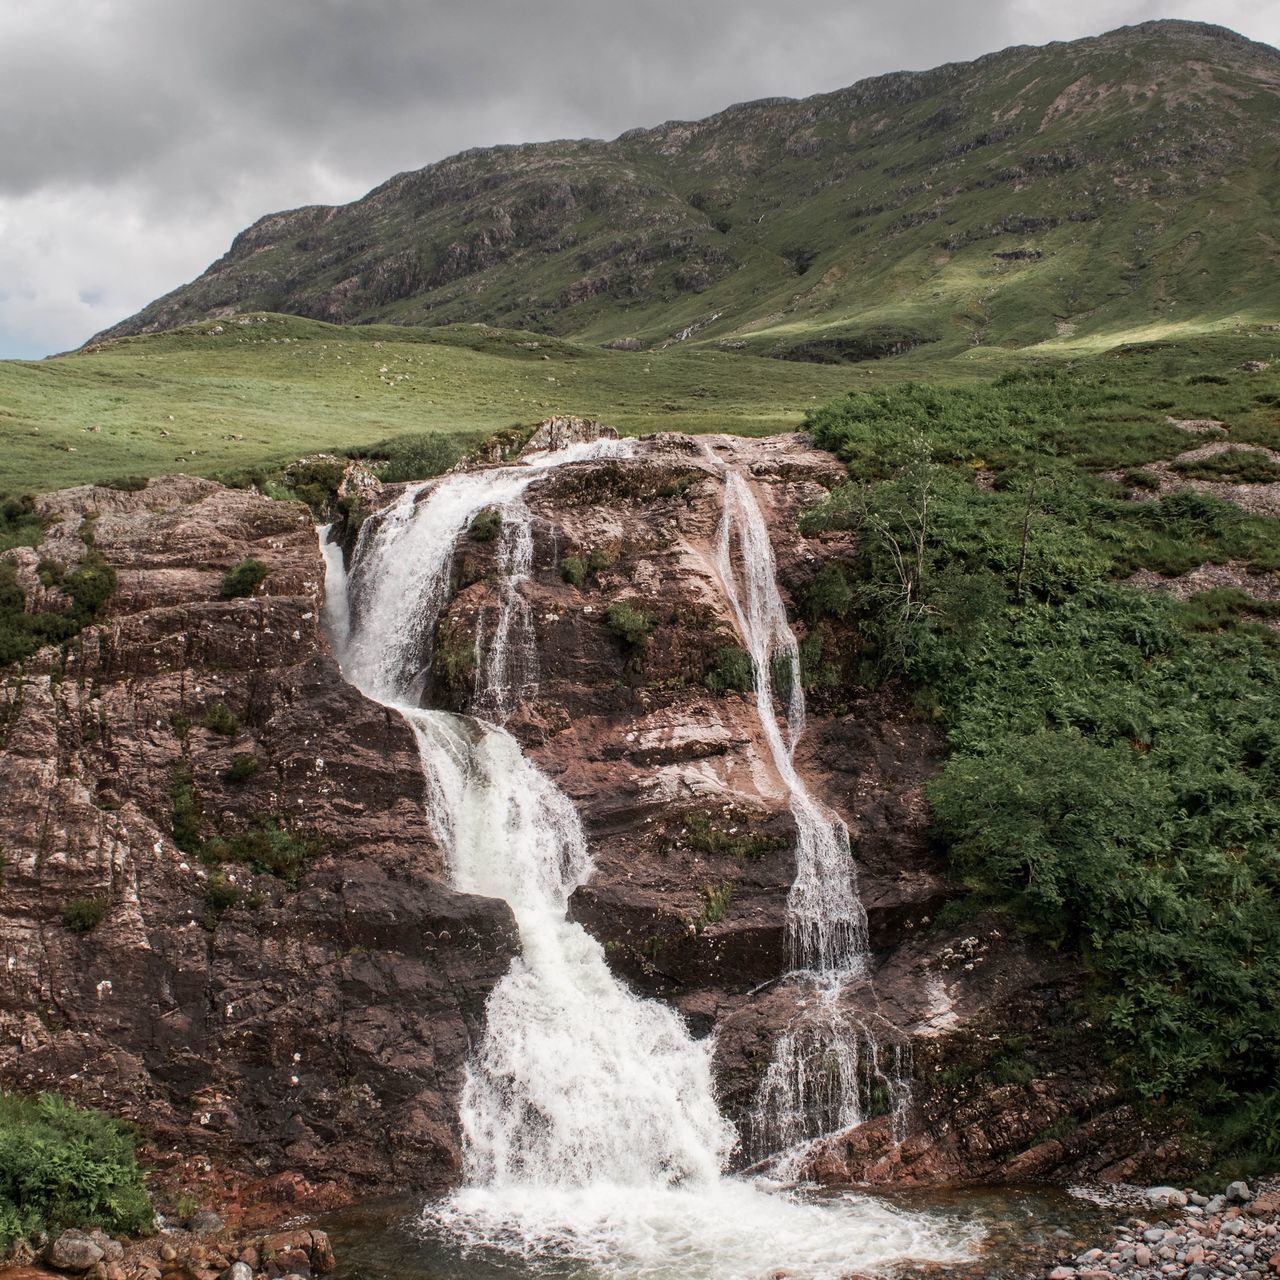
[137,136]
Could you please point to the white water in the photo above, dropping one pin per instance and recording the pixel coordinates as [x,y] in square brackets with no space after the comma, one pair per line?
[826,924]
[401,570]
[589,1118]
[829,1069]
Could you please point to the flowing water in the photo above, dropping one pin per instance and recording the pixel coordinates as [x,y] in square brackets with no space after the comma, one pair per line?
[831,1068]
[592,1138]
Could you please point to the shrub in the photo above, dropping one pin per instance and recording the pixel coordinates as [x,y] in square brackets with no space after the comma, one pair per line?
[417,455]
[220,894]
[829,594]
[715,900]
[186,811]
[219,718]
[243,579]
[1113,754]
[577,568]
[20,526]
[80,915]
[268,848]
[61,1166]
[85,591]
[731,669]
[573,569]
[52,573]
[486,525]
[703,834]
[242,768]
[316,482]
[454,658]
[630,623]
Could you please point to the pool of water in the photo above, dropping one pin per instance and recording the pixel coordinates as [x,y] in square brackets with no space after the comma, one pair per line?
[1000,1233]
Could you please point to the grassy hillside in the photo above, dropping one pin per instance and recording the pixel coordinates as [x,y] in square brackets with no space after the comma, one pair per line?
[203,401]
[215,397]
[1075,191]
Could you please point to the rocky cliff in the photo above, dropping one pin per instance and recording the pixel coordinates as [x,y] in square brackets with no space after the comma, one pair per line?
[224,915]
[316,1021]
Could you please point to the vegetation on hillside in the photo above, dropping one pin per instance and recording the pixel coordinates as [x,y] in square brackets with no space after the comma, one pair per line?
[1081,188]
[61,1166]
[1114,772]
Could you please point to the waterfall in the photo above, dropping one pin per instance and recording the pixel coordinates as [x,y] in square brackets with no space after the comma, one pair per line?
[590,1124]
[829,1070]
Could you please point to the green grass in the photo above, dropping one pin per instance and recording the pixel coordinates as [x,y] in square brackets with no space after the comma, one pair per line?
[287,387]
[61,1166]
[177,402]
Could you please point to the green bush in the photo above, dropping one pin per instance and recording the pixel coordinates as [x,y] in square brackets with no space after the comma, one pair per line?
[829,595]
[573,569]
[731,669]
[715,904]
[577,568]
[187,811]
[485,525]
[315,482]
[1114,755]
[417,455]
[703,833]
[454,658]
[20,526]
[630,623]
[242,768]
[243,579]
[61,1166]
[269,848]
[220,894]
[85,590]
[219,718]
[81,915]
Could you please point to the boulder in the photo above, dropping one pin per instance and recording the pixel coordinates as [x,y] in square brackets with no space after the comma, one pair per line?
[74,1251]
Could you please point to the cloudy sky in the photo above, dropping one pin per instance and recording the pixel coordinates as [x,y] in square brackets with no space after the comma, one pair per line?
[138,136]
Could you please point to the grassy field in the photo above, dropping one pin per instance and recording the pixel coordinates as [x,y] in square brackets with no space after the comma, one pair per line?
[271,388]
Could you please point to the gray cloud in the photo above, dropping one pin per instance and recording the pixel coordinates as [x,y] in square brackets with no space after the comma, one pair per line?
[138,136]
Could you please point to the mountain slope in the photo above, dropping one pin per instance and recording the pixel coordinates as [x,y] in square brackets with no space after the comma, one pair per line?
[1094,187]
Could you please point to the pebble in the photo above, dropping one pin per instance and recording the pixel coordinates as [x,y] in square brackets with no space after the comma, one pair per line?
[1221,1237]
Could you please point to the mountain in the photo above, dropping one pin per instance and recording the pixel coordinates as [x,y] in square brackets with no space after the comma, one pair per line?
[1100,186]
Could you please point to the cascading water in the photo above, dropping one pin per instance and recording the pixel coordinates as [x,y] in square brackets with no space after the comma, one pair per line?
[589,1118]
[829,1069]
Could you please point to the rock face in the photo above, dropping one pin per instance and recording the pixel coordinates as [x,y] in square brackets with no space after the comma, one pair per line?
[320,1027]
[692,836]
[317,1020]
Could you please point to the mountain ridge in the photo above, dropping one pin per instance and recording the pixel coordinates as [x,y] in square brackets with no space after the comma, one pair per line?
[970,177]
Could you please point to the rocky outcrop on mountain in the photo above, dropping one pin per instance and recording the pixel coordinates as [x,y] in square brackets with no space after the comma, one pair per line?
[222,911]
[1081,183]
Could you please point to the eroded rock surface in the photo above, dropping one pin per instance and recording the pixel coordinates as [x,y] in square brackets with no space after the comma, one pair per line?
[320,1027]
